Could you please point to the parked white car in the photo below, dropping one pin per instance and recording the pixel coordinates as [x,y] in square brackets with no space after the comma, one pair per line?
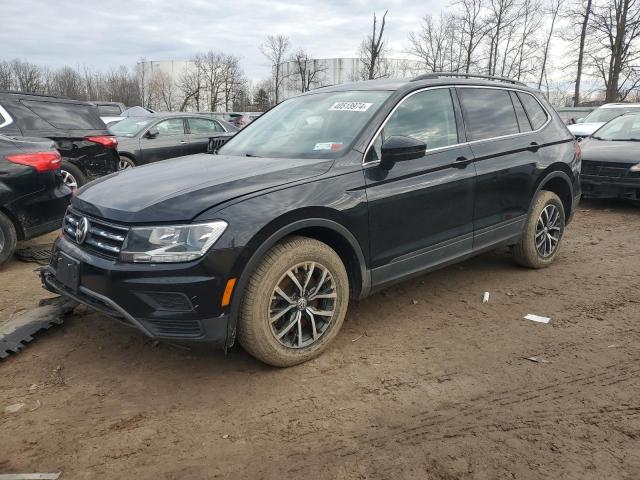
[592,122]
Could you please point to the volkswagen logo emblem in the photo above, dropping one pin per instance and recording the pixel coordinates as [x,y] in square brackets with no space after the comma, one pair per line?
[81,230]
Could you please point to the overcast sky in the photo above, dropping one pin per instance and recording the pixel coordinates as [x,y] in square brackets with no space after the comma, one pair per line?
[118,32]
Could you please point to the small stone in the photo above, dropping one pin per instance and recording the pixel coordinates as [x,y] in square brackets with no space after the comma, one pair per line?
[225,436]
[415,302]
[15,408]
[33,387]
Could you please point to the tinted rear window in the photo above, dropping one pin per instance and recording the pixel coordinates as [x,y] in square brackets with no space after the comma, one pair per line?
[536,113]
[70,116]
[109,110]
[488,113]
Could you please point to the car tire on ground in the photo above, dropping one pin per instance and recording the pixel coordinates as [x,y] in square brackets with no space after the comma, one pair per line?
[543,232]
[72,176]
[125,163]
[8,238]
[295,302]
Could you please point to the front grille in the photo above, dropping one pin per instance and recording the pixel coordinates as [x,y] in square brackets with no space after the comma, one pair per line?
[103,238]
[608,169]
[215,143]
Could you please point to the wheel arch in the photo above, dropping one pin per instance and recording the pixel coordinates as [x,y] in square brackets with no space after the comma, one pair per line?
[557,179]
[328,231]
[17,225]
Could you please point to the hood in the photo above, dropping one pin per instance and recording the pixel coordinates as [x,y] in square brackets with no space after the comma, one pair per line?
[584,129]
[604,151]
[179,189]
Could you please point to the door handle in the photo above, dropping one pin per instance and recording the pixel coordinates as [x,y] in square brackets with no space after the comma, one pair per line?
[534,146]
[461,162]
[183,142]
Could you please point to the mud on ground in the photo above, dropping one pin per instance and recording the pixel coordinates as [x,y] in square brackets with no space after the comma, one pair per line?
[424,382]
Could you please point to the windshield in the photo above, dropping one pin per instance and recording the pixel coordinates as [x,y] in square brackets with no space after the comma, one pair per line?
[130,127]
[622,128]
[322,125]
[603,115]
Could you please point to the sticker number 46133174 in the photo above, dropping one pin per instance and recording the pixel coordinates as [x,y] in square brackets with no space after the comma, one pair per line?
[351,106]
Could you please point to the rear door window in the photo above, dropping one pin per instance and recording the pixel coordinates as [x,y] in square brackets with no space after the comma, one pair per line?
[202,126]
[72,116]
[171,127]
[536,113]
[488,113]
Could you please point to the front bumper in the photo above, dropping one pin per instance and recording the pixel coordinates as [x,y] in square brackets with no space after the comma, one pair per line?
[594,186]
[177,302]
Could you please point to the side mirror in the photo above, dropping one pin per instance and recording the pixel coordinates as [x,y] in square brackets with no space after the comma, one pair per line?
[580,120]
[398,149]
[152,133]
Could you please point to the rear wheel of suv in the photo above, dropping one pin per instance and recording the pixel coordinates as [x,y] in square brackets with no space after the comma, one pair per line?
[295,302]
[8,238]
[72,176]
[540,242]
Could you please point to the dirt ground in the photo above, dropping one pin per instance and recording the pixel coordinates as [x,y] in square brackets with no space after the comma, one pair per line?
[424,382]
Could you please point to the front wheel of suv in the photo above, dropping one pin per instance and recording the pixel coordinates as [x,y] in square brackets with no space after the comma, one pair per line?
[543,232]
[295,302]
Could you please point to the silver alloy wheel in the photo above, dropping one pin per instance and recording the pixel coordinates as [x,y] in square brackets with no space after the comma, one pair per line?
[69,180]
[548,231]
[124,164]
[2,240]
[302,305]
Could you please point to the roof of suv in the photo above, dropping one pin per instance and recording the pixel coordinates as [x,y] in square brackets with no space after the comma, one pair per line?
[35,96]
[429,79]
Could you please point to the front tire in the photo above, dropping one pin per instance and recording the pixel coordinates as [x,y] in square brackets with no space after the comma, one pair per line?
[295,302]
[8,238]
[543,232]
[125,163]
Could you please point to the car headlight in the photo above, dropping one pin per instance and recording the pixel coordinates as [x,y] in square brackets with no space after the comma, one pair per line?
[635,168]
[170,243]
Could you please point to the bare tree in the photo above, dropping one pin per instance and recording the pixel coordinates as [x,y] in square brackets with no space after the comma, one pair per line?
[437,44]
[372,52]
[502,16]
[191,85]
[472,28]
[6,76]
[579,15]
[554,11]
[275,48]
[28,76]
[163,90]
[616,28]
[307,72]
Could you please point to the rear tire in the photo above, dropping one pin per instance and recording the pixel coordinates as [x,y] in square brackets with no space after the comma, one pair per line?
[284,322]
[8,238]
[540,242]
[72,176]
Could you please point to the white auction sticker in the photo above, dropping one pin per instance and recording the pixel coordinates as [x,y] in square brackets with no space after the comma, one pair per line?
[351,106]
[328,146]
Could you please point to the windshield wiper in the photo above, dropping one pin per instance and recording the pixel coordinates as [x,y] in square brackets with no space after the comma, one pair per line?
[625,139]
[251,155]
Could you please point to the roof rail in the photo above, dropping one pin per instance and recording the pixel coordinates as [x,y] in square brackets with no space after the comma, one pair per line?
[434,75]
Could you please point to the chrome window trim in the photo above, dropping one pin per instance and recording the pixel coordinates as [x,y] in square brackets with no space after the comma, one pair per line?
[430,150]
[8,120]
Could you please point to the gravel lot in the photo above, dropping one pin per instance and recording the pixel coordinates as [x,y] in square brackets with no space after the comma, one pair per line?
[424,382]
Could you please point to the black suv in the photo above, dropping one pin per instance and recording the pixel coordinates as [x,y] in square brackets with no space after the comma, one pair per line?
[33,198]
[327,197]
[88,149]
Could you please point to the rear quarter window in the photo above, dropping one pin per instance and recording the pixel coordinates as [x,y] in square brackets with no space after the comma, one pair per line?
[536,113]
[71,116]
[488,113]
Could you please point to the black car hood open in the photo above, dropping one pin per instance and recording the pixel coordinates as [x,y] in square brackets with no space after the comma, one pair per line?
[179,189]
[605,151]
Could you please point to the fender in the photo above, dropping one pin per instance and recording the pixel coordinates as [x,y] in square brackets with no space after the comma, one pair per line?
[278,235]
[546,178]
